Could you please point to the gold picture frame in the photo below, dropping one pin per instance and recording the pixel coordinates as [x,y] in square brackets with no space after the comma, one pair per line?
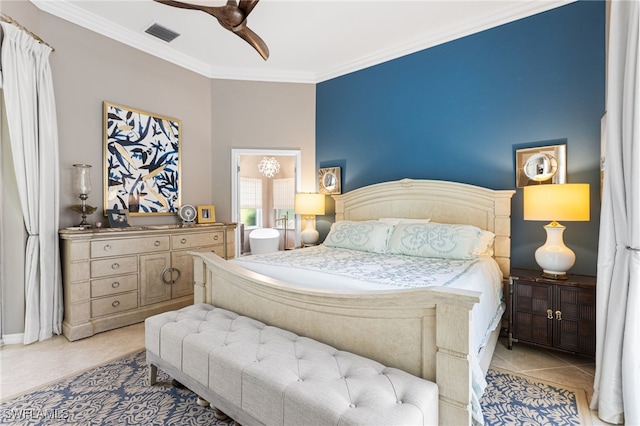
[329,181]
[141,161]
[206,214]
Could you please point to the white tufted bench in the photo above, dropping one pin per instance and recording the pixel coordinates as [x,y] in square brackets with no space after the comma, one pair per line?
[258,374]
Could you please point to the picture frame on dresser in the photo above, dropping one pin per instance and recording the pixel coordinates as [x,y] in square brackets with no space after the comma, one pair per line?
[118,218]
[141,161]
[206,214]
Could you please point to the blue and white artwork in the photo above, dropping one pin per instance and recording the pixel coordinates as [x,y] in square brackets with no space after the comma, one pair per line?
[142,161]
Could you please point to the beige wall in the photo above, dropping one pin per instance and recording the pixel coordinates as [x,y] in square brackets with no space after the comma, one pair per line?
[217,115]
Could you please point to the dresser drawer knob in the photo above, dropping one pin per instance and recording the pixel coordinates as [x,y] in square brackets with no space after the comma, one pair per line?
[157,243]
[115,266]
[106,247]
[115,303]
[215,237]
[115,284]
[183,241]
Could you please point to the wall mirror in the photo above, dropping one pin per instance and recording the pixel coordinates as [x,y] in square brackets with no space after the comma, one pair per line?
[541,165]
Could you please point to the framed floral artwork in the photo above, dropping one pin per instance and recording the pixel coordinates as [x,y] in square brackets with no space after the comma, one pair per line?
[141,161]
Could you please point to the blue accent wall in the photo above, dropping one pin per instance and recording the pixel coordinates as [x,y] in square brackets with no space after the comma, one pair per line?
[458,111]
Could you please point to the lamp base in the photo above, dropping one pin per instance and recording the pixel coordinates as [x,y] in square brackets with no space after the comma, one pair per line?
[554,257]
[553,276]
[309,236]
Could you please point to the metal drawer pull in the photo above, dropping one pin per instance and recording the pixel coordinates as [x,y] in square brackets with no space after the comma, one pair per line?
[215,237]
[115,303]
[549,314]
[559,315]
[183,241]
[115,266]
[157,243]
[107,247]
[115,284]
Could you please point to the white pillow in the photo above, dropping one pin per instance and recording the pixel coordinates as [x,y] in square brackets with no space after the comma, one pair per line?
[398,220]
[436,240]
[485,246]
[368,235]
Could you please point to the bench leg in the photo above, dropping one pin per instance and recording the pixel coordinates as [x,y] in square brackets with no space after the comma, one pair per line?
[153,374]
[219,414]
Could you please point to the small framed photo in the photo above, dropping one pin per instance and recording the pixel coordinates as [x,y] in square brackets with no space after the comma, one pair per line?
[329,180]
[206,214]
[118,218]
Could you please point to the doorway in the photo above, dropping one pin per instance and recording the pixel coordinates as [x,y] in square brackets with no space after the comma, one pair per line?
[264,199]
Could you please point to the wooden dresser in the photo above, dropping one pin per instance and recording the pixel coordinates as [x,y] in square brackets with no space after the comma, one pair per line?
[119,276]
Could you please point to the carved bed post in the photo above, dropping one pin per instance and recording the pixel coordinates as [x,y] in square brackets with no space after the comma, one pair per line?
[453,367]
[199,283]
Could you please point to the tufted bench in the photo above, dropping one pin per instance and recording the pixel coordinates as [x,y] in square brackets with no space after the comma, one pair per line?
[258,374]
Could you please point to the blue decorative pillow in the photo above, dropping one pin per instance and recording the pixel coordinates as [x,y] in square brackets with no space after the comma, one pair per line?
[369,235]
[435,240]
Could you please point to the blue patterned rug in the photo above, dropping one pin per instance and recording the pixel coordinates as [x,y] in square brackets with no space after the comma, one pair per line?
[515,400]
[118,393]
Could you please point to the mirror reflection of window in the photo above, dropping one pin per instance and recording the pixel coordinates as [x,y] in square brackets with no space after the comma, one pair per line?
[540,167]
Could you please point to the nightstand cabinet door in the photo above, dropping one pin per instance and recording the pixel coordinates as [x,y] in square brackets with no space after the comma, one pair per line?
[532,304]
[576,320]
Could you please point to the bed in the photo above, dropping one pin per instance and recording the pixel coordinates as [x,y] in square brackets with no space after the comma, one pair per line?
[434,331]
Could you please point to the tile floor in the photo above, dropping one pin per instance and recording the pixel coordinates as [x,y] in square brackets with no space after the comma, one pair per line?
[23,368]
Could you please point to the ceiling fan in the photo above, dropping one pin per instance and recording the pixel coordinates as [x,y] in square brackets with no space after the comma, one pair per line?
[233,17]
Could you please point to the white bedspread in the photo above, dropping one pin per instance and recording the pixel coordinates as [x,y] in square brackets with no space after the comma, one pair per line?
[338,270]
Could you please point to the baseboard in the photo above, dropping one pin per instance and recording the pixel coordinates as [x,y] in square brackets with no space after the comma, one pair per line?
[12,339]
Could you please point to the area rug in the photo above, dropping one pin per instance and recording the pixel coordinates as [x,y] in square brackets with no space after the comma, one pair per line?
[512,399]
[118,393]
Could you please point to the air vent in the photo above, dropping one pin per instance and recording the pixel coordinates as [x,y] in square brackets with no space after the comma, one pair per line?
[163,33]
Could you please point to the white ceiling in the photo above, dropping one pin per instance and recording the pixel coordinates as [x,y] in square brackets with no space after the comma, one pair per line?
[309,41]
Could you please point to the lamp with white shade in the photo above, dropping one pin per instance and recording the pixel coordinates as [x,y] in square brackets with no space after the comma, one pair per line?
[309,205]
[555,202]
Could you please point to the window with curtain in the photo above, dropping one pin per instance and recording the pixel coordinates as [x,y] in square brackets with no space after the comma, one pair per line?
[283,195]
[251,201]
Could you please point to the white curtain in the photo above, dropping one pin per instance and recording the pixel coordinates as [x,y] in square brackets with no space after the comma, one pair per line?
[617,382]
[31,119]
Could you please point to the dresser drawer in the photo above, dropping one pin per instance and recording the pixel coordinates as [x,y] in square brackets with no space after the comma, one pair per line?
[114,285]
[186,241]
[114,304]
[118,247]
[114,266]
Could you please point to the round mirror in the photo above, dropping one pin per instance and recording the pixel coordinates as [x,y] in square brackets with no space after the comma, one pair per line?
[540,167]
[329,181]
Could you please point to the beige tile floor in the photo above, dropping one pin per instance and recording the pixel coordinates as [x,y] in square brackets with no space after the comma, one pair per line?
[23,368]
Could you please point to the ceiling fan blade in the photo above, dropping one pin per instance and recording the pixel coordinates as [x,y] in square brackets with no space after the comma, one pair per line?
[232,17]
[253,39]
[247,6]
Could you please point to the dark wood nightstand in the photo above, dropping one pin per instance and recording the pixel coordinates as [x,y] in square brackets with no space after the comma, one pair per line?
[558,314]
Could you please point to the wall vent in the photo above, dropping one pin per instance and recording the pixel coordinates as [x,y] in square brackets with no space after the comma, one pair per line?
[163,33]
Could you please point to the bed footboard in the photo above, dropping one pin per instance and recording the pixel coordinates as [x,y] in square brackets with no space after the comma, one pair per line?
[425,332]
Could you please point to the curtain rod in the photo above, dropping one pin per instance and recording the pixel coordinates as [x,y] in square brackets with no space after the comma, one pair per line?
[9,20]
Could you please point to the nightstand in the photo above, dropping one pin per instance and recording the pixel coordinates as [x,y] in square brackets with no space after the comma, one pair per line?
[558,314]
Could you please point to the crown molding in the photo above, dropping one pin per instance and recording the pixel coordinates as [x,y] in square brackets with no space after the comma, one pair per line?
[68,11]
[518,11]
